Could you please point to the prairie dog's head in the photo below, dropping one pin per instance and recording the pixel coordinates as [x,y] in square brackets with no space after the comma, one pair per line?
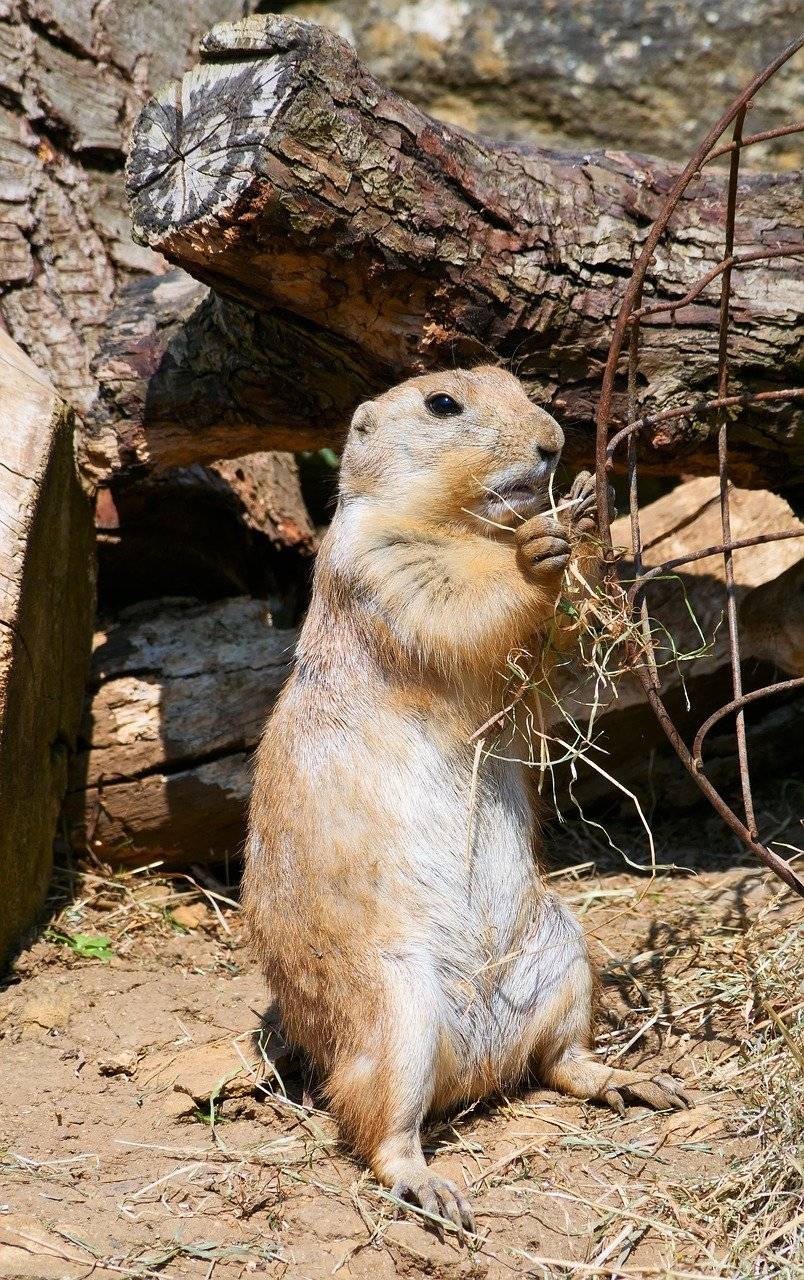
[454,446]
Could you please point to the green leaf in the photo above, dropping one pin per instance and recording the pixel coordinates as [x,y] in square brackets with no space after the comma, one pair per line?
[90,946]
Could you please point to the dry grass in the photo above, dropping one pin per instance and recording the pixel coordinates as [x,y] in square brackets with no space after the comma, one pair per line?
[759,1206]
[596,639]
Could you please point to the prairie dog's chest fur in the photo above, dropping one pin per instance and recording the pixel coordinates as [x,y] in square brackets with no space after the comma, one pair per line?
[467,829]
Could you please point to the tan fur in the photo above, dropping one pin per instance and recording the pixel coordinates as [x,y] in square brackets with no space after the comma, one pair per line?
[392,888]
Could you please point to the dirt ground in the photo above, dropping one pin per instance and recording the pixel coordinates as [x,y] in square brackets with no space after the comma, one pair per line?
[136,1139]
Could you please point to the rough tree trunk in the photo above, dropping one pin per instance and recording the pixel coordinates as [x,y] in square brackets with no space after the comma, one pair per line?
[179,692]
[356,240]
[73,75]
[46,615]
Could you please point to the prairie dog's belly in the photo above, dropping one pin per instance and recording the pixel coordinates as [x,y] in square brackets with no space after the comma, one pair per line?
[433,866]
[465,850]
[497,946]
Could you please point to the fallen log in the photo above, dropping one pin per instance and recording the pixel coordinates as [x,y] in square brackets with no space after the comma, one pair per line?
[185,375]
[46,616]
[180,690]
[179,693]
[367,242]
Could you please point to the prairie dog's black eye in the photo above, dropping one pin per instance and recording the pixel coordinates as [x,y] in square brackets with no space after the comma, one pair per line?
[443,406]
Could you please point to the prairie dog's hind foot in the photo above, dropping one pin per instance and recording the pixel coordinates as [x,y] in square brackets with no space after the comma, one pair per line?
[659,1092]
[583,1077]
[437,1196]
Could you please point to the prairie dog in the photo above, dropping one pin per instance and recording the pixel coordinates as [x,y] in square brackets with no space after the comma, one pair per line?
[392,888]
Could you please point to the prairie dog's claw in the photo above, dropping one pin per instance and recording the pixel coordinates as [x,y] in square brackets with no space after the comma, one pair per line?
[582,515]
[660,1092]
[441,1198]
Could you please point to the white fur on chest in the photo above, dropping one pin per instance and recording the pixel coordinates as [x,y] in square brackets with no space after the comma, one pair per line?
[496,945]
[468,848]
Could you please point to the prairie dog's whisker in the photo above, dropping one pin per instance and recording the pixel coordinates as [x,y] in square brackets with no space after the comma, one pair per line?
[506,528]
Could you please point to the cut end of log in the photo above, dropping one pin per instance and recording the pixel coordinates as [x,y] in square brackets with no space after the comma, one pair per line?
[192,161]
[197,144]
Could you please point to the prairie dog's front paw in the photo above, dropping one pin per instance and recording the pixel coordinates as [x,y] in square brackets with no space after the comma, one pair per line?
[542,546]
[581,516]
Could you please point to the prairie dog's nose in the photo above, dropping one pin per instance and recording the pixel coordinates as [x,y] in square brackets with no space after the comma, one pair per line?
[547,455]
[549,439]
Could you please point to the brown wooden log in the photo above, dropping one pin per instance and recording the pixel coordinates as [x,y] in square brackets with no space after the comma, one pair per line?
[186,376]
[46,614]
[179,692]
[281,173]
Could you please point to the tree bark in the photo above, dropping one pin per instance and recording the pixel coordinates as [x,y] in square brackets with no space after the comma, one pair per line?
[283,175]
[186,376]
[73,76]
[46,614]
[179,693]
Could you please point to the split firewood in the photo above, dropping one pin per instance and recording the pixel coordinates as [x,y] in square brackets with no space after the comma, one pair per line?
[351,240]
[46,615]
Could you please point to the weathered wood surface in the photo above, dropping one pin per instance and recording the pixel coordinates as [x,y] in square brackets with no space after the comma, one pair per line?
[73,75]
[188,376]
[179,693]
[325,203]
[46,617]
[602,73]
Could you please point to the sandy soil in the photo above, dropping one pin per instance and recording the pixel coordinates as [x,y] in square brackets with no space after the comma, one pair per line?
[135,1138]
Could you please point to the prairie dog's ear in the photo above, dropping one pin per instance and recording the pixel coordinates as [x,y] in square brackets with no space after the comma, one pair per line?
[364,420]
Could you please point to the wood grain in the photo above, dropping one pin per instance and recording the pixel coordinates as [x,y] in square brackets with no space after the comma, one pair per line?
[46,613]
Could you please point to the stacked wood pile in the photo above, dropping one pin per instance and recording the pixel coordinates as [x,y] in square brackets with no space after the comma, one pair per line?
[305,235]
